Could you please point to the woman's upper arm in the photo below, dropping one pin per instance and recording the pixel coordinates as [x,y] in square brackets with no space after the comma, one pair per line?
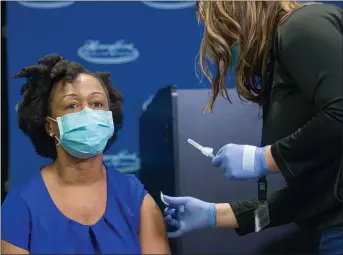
[152,230]
[7,248]
[15,225]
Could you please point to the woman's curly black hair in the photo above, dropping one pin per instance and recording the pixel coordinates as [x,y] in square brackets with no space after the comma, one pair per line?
[35,104]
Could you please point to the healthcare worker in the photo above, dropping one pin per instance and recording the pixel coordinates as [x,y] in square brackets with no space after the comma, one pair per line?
[288,59]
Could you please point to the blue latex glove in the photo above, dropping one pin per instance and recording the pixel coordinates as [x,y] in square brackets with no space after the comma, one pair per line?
[187,213]
[242,161]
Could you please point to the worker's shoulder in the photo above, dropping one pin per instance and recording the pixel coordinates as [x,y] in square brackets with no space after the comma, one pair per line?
[309,25]
[313,17]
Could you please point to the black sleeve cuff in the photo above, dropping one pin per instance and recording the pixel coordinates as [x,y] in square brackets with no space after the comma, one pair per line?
[245,216]
[282,165]
[283,207]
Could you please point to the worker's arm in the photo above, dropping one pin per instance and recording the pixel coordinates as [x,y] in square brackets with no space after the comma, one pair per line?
[282,205]
[196,214]
[310,49]
[152,230]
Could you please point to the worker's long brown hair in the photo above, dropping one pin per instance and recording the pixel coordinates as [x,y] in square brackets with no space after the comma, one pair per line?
[251,24]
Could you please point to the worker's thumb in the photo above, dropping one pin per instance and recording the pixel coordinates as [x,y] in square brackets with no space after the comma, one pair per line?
[216,161]
[175,234]
[174,202]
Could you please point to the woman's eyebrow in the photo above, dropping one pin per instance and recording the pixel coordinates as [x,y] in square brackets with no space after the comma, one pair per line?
[67,96]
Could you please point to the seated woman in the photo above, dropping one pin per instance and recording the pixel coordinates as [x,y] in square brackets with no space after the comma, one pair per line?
[76,205]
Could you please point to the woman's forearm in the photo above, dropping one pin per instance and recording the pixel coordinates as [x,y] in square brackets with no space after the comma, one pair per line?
[225,218]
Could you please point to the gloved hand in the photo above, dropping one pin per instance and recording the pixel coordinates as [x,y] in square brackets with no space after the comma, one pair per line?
[242,161]
[187,213]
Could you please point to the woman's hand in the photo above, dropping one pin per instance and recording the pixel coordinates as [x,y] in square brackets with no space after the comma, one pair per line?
[242,161]
[185,214]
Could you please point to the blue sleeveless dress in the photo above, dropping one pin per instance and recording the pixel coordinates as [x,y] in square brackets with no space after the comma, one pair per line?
[31,221]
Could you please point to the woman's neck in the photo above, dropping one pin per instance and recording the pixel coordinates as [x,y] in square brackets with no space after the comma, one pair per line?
[71,171]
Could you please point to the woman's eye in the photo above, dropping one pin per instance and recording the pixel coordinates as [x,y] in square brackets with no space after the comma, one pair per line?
[72,106]
[97,104]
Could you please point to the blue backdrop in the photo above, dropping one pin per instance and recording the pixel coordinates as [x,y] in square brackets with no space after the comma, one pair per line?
[145,46]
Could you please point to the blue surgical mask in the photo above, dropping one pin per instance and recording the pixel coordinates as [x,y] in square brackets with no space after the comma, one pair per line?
[235,52]
[85,134]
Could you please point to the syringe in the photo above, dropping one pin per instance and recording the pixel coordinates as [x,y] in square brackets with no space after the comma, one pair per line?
[207,151]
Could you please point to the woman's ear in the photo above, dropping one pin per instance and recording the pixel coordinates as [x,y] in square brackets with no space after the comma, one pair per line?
[49,127]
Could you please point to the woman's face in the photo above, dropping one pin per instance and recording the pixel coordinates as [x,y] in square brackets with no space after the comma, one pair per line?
[84,91]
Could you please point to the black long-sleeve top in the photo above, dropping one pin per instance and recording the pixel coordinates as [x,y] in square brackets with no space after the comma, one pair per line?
[304,122]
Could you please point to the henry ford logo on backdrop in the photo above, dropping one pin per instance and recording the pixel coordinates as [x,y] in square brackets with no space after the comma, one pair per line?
[46,5]
[169,5]
[124,162]
[117,53]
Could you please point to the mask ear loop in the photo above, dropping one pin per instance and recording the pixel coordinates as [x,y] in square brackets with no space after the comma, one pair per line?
[53,134]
